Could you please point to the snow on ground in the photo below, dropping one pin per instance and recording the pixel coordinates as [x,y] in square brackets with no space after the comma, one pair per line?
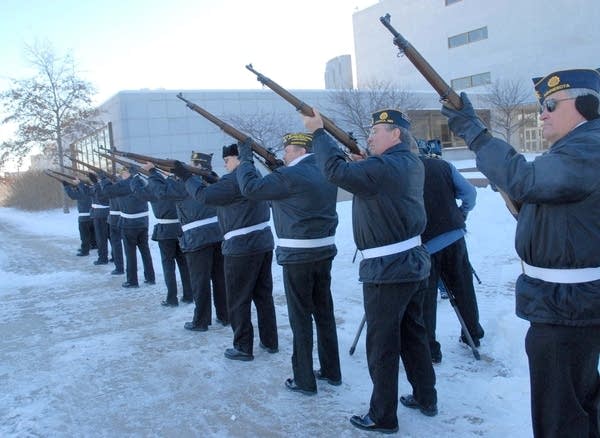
[80,356]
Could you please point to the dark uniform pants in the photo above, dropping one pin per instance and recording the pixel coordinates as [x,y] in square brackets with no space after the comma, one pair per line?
[248,279]
[170,253]
[201,265]
[395,329]
[451,264]
[101,232]
[565,385]
[86,229]
[116,246]
[308,294]
[137,238]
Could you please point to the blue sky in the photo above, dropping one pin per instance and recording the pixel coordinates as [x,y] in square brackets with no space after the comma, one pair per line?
[187,44]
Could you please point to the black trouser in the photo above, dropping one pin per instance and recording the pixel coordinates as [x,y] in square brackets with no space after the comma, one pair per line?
[101,232]
[137,238]
[170,253]
[395,329]
[565,385]
[86,229]
[201,264]
[248,279]
[308,294]
[451,264]
[116,246]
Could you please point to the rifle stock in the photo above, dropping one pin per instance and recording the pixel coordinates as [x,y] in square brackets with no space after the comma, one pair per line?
[124,163]
[94,169]
[446,93]
[267,158]
[337,133]
[166,165]
[60,176]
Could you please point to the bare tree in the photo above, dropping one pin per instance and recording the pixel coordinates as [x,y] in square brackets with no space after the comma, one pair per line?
[266,128]
[352,107]
[48,107]
[507,100]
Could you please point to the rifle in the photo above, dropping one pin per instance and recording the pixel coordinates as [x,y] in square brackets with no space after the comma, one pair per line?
[267,158]
[124,163]
[446,93]
[62,177]
[83,177]
[167,165]
[94,169]
[337,133]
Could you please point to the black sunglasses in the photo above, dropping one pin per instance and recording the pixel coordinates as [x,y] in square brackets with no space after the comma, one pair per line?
[550,104]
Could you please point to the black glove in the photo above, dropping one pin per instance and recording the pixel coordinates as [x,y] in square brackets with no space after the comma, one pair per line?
[65,184]
[464,122]
[93,178]
[245,150]
[181,171]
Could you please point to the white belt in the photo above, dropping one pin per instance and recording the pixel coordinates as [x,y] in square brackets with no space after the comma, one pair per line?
[245,230]
[115,212]
[135,215]
[100,206]
[201,222]
[581,275]
[84,214]
[306,243]
[167,221]
[393,248]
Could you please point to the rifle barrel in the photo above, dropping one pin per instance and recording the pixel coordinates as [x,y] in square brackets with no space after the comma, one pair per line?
[337,133]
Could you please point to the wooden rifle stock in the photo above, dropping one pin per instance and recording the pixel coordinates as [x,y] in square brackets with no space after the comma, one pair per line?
[98,171]
[268,158]
[124,163]
[166,165]
[446,93]
[337,133]
[62,177]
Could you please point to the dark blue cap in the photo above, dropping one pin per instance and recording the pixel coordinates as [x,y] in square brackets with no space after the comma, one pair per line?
[564,79]
[390,117]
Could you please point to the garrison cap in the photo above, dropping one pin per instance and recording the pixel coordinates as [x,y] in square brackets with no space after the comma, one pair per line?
[564,79]
[230,151]
[202,160]
[390,117]
[298,139]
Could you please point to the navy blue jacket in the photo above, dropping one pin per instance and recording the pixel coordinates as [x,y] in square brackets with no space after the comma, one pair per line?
[303,204]
[130,203]
[81,194]
[387,206]
[559,221]
[235,211]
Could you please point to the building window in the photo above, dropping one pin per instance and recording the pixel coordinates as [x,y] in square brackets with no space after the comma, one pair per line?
[451,2]
[471,81]
[468,37]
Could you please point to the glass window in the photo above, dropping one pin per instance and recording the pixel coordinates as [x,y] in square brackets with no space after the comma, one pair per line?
[458,40]
[460,83]
[468,37]
[451,2]
[478,34]
[480,79]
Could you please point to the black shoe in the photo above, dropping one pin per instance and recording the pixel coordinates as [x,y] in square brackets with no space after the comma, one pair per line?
[82,254]
[128,285]
[269,349]
[187,300]
[117,272]
[150,282]
[364,422]
[333,382]
[169,304]
[195,328]
[436,357]
[410,402]
[223,323]
[100,262]
[235,354]
[291,385]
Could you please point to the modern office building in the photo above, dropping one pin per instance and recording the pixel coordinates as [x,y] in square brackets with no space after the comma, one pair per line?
[338,73]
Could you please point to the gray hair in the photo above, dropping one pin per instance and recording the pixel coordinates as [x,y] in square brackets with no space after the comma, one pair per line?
[576,92]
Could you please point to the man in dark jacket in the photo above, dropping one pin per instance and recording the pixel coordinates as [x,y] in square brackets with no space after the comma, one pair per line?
[247,252]
[80,193]
[201,243]
[303,204]
[99,214]
[558,241]
[388,217]
[444,239]
[134,227]
[166,233]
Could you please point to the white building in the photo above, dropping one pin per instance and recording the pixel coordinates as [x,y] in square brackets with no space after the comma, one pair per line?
[338,73]
[474,42]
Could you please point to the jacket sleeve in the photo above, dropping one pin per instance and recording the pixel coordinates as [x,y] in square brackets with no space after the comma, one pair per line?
[223,192]
[254,186]
[463,190]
